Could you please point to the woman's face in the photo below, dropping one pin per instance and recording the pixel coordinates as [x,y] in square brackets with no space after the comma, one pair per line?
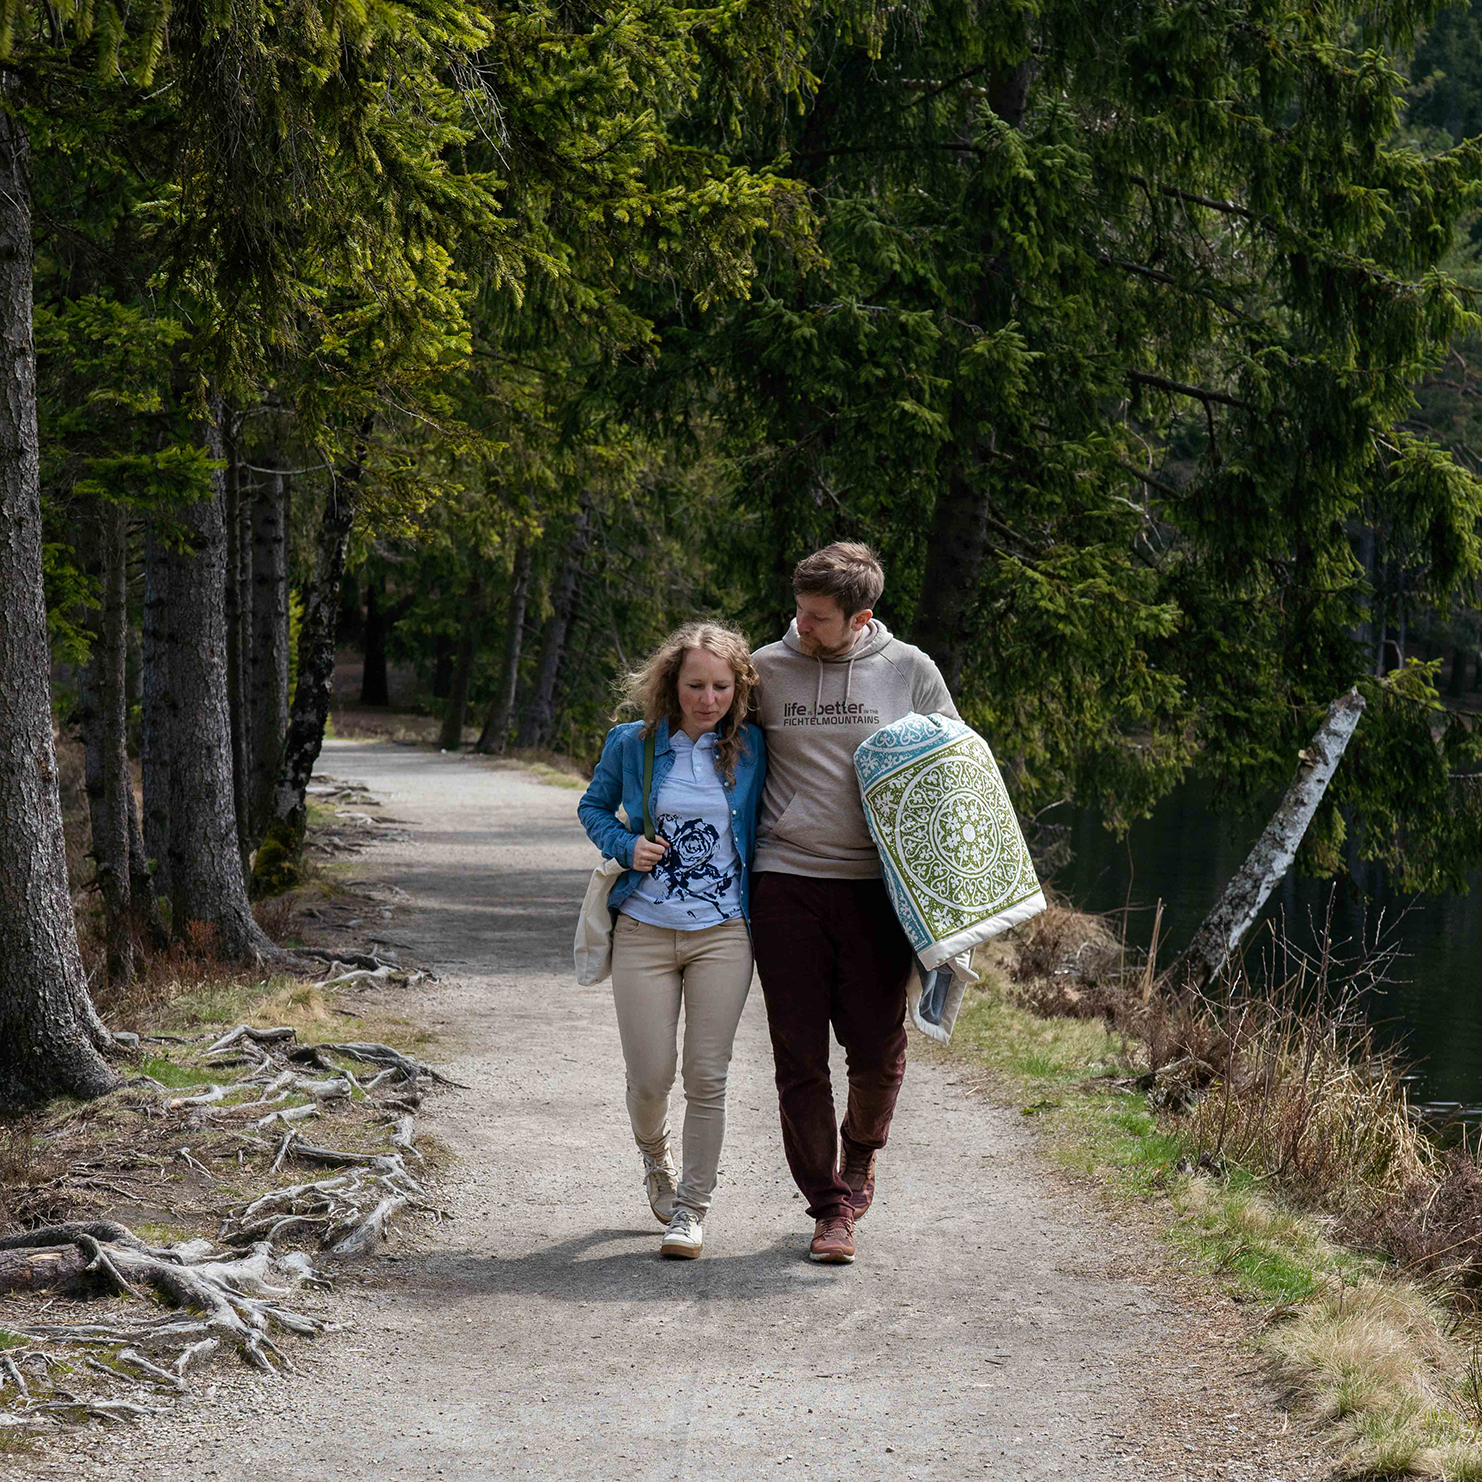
[706,688]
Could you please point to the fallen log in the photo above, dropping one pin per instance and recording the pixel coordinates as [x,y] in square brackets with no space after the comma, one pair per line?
[1236,912]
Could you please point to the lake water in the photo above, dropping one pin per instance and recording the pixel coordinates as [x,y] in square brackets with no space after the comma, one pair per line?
[1186,853]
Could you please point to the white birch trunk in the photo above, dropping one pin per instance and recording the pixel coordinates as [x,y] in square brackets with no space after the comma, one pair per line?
[1226,925]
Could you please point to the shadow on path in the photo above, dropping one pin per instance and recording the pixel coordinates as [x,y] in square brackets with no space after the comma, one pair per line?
[574,1270]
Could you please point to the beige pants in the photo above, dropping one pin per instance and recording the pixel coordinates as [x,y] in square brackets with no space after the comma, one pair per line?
[654,970]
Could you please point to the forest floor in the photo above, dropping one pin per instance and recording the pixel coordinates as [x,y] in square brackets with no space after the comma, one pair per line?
[1001,1319]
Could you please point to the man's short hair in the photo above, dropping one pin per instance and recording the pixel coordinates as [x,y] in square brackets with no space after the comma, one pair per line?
[846,571]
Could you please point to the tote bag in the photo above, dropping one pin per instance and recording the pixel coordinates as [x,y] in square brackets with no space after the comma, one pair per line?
[592,950]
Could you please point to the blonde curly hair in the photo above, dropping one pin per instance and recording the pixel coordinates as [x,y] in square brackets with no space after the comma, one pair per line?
[653,687]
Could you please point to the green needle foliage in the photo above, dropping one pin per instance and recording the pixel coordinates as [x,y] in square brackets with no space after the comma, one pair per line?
[1106,328]
[1111,353]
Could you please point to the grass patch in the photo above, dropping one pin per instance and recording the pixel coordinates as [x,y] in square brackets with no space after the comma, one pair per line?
[545,766]
[553,776]
[169,1072]
[1251,1194]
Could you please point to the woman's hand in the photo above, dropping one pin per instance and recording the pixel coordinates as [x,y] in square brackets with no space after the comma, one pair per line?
[646,855]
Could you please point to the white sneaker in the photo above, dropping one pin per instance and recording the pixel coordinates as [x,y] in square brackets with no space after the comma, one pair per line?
[661,1182]
[684,1237]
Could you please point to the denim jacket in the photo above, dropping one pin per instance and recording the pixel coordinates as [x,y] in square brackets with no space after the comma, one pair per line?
[619,780]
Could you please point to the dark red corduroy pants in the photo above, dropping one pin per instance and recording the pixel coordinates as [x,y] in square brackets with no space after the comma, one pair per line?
[831,952]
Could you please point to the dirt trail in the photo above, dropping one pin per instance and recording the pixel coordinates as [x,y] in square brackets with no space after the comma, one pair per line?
[992,1326]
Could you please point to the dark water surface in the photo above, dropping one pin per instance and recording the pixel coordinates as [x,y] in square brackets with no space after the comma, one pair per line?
[1186,853]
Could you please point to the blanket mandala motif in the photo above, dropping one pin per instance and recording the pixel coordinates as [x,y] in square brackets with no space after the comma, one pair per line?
[955,862]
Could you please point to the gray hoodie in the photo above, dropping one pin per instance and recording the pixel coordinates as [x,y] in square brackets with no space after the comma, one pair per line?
[815,712]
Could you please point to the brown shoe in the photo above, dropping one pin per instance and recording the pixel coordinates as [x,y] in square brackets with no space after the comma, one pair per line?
[833,1241]
[857,1169]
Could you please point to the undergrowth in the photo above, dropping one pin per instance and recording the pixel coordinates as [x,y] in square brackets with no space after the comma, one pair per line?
[1277,1145]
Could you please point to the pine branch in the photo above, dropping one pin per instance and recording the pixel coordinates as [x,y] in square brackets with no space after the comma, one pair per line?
[1201,393]
[1229,208]
[1144,477]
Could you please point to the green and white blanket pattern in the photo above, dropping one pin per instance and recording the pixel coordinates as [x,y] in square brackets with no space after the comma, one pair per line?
[955,862]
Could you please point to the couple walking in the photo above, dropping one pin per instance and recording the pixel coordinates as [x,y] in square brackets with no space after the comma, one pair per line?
[761,847]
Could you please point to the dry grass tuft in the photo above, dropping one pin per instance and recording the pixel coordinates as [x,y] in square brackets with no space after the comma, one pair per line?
[1061,944]
[186,966]
[1433,1227]
[1283,1082]
[276,914]
[1306,1101]
[27,1161]
[1375,1361]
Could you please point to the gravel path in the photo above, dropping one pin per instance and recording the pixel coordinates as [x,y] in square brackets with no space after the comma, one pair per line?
[993,1325]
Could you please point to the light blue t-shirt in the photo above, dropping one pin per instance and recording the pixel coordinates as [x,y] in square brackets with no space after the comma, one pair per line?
[698,881]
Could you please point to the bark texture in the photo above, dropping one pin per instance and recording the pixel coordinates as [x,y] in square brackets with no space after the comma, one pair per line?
[207,887]
[157,711]
[149,921]
[375,687]
[280,855]
[237,594]
[495,736]
[105,712]
[47,1036]
[539,717]
[442,666]
[1225,927]
[268,699]
[473,613]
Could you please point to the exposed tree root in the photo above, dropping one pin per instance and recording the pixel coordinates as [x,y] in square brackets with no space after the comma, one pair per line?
[373,1054]
[234,1294]
[237,1299]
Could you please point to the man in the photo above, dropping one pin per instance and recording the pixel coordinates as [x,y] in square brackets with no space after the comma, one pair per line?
[828,945]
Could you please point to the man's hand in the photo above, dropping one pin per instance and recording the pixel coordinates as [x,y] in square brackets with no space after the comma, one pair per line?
[646,855]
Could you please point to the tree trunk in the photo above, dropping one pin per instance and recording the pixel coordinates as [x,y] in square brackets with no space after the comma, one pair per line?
[954,565]
[208,895]
[149,921]
[237,648]
[375,688]
[442,666]
[958,543]
[48,1033]
[1458,686]
[539,717]
[473,614]
[157,710]
[572,667]
[106,763]
[280,855]
[495,737]
[268,697]
[1226,925]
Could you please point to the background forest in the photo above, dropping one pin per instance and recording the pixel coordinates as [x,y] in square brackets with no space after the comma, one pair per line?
[498,338]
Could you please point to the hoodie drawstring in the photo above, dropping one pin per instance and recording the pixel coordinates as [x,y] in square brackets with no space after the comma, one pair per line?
[848,684]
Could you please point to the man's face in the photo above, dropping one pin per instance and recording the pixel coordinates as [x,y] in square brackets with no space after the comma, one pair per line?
[823,629]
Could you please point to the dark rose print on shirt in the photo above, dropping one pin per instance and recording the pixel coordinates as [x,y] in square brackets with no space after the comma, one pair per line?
[686,871]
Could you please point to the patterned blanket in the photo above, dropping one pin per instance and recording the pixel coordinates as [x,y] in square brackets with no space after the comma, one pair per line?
[955,863]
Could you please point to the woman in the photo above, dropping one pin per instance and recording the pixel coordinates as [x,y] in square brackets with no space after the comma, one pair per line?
[682,907]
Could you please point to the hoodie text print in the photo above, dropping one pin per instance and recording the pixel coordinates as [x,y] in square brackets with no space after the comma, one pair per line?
[815,712]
